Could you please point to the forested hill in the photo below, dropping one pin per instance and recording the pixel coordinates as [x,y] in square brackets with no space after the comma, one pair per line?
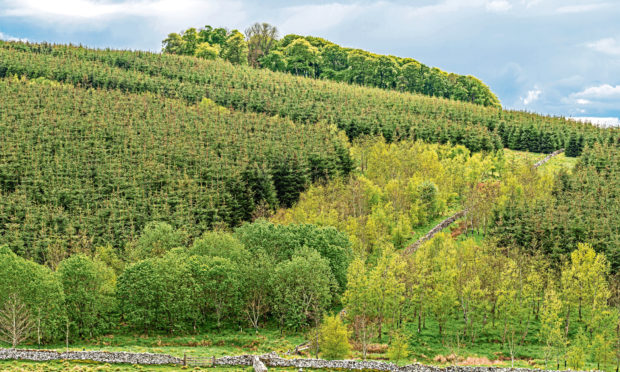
[322,59]
[356,110]
[200,143]
[171,193]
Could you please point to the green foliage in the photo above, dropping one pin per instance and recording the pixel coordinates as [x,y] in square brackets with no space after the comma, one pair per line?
[38,288]
[584,283]
[156,239]
[235,50]
[115,162]
[576,353]
[274,61]
[399,347]
[283,241]
[334,338]
[89,294]
[217,285]
[583,208]
[302,289]
[301,57]
[551,333]
[161,294]
[219,244]
[255,290]
[138,293]
[207,51]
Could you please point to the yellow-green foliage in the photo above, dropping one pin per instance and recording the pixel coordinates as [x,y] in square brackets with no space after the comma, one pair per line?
[208,104]
[399,347]
[334,338]
[399,187]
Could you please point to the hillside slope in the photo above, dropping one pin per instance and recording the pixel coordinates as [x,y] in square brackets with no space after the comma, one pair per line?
[80,168]
[356,110]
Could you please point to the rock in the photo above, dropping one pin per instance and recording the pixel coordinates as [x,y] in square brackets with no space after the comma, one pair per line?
[258,365]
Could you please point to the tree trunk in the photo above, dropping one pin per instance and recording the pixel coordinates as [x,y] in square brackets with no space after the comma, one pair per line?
[567,322]
[419,320]
[67,336]
[527,326]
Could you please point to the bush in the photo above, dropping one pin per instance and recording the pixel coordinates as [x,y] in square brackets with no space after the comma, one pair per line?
[334,338]
[399,347]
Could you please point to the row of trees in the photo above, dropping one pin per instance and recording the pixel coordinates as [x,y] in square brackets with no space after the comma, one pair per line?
[135,73]
[288,275]
[318,58]
[475,292]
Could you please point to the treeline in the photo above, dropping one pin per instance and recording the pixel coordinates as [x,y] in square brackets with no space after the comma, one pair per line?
[584,207]
[263,273]
[81,168]
[321,59]
[356,110]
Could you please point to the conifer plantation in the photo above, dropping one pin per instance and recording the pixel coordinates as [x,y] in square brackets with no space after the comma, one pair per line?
[236,195]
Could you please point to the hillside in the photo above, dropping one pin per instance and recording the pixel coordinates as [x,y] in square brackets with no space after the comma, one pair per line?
[356,110]
[158,202]
[81,168]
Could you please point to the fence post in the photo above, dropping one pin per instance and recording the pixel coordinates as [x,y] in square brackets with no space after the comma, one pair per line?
[184,359]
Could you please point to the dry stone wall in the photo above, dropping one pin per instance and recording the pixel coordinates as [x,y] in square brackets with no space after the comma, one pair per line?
[97,356]
[259,362]
[272,360]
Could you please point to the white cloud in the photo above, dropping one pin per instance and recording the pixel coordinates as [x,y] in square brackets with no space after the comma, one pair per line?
[530,3]
[582,101]
[169,15]
[498,6]
[581,8]
[6,37]
[608,46]
[601,92]
[600,121]
[306,19]
[531,96]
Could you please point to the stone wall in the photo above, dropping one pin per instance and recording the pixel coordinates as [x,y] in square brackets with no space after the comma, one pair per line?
[548,157]
[98,356]
[272,360]
[442,225]
[269,360]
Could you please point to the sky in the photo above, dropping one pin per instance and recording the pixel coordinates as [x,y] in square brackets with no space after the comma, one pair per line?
[555,57]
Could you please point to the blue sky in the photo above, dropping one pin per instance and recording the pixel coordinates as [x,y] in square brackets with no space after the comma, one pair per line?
[558,57]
